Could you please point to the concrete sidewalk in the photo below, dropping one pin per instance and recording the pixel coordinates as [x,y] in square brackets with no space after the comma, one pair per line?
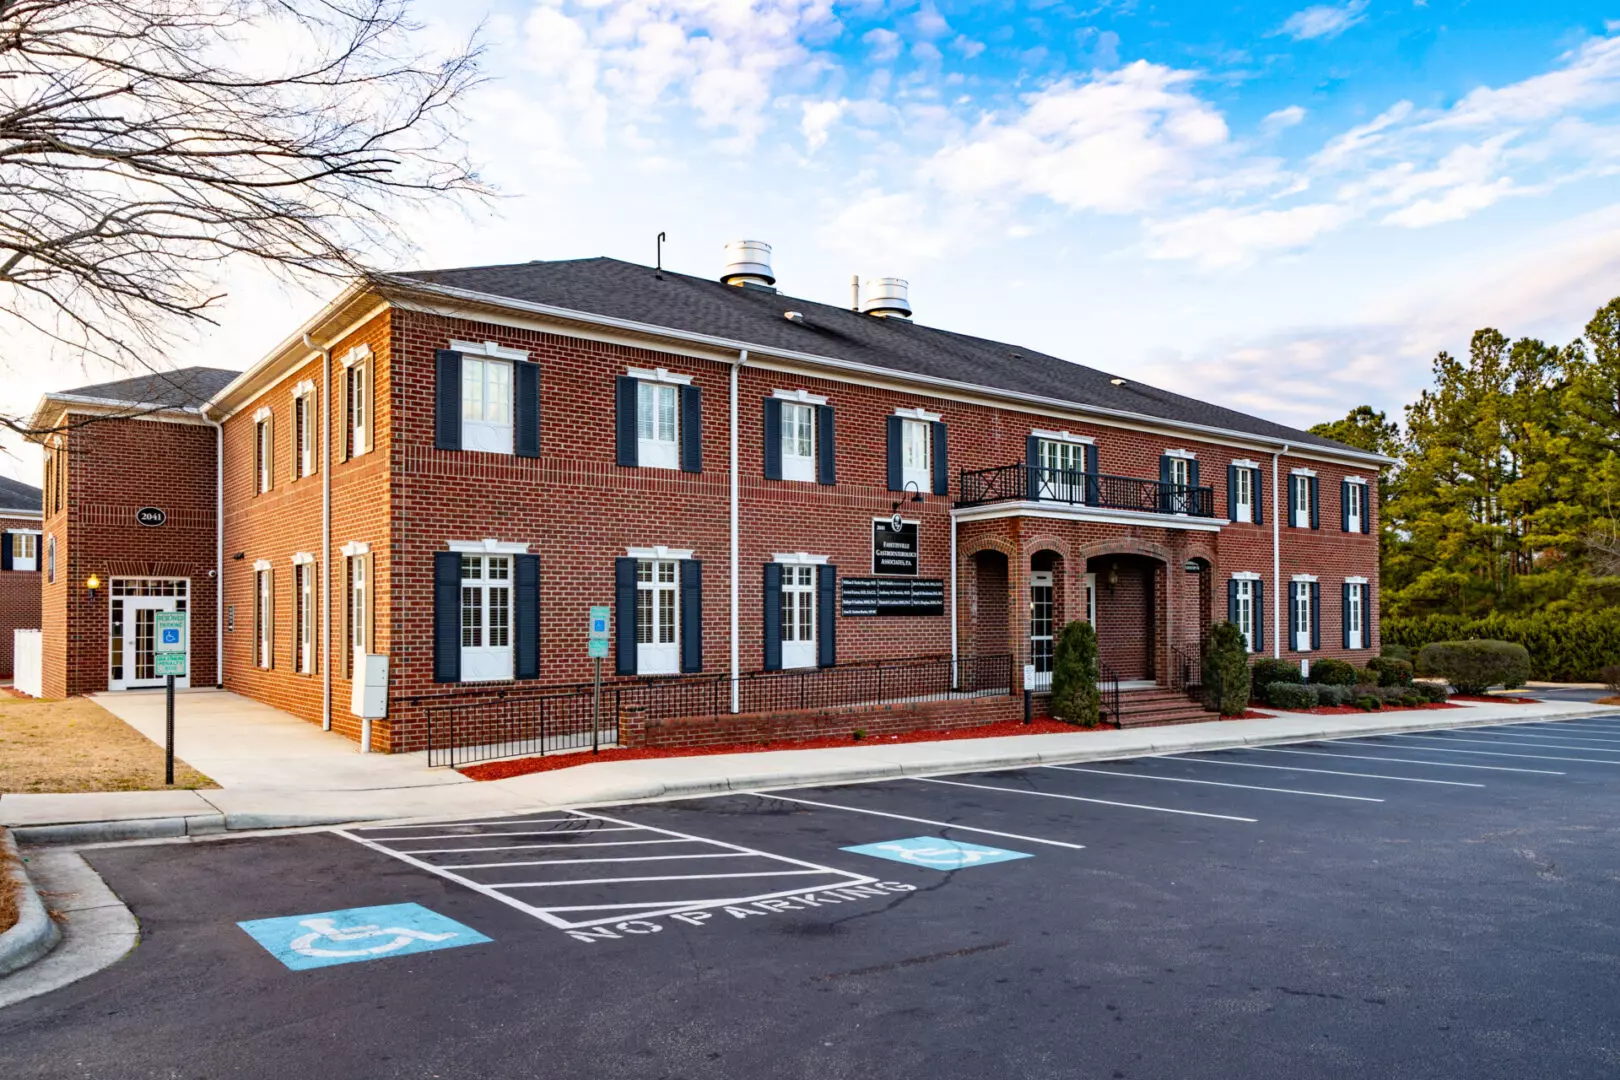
[150,814]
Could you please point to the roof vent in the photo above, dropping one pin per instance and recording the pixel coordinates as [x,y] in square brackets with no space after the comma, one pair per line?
[748,262]
[886,296]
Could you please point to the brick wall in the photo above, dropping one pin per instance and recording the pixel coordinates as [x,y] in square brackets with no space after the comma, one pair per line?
[794,726]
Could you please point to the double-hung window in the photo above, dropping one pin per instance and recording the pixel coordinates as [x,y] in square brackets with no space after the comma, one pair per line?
[657,614]
[1246,610]
[304,615]
[357,605]
[1243,494]
[1355,506]
[1063,468]
[264,445]
[1355,615]
[486,405]
[304,427]
[24,551]
[50,561]
[486,617]
[798,442]
[357,402]
[916,464]
[1301,502]
[1304,621]
[1180,493]
[658,441]
[264,600]
[798,616]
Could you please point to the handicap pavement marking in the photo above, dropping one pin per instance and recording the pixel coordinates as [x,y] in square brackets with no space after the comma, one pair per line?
[351,935]
[937,853]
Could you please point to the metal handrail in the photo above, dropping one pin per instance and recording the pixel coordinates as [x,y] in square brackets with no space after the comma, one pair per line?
[1108,689]
[1021,481]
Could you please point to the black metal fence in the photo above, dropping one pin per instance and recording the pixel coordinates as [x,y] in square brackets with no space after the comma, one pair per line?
[1021,481]
[482,724]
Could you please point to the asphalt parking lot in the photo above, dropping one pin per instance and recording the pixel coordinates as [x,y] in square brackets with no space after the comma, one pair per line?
[1429,905]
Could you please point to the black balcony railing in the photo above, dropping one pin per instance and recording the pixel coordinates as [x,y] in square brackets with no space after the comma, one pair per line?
[1039,483]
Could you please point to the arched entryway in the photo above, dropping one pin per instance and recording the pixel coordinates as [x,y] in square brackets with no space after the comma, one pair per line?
[1128,591]
[989,630]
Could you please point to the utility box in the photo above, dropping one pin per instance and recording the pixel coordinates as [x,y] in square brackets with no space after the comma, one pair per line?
[369,693]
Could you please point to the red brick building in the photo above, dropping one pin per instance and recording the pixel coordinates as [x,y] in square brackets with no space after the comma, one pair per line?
[19,564]
[450,468]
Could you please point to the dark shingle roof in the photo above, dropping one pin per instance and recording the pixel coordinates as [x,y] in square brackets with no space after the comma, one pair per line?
[182,388]
[16,495]
[622,290]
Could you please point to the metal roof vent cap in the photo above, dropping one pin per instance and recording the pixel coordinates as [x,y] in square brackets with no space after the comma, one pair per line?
[887,296]
[748,262]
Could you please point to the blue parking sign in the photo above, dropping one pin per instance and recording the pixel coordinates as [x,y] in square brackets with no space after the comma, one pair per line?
[937,853]
[352,935]
[171,636]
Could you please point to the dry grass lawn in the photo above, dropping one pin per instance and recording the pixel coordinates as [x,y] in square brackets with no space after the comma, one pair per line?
[8,892]
[76,745]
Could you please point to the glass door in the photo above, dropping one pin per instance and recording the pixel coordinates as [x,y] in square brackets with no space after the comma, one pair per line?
[132,630]
[1040,627]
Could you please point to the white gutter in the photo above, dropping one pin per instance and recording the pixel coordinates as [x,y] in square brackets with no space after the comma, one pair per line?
[954,646]
[736,662]
[728,345]
[1278,502]
[219,552]
[323,411]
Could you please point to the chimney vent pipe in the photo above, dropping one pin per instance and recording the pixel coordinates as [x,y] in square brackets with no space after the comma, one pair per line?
[887,296]
[748,262]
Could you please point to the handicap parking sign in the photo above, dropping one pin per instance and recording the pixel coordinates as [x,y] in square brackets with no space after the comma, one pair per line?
[171,636]
[354,934]
[937,853]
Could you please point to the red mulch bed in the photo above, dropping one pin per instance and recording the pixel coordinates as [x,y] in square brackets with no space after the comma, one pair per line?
[1495,699]
[500,770]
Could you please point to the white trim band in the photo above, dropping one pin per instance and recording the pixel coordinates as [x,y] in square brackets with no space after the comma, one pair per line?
[659,375]
[1186,454]
[801,397]
[488,348]
[1356,581]
[800,558]
[917,414]
[1301,472]
[1246,575]
[659,552]
[1304,577]
[1245,463]
[1063,436]
[487,546]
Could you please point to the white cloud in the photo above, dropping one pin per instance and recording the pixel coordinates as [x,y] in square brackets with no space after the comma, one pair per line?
[1223,237]
[1282,119]
[1323,20]
[885,44]
[1589,77]
[819,117]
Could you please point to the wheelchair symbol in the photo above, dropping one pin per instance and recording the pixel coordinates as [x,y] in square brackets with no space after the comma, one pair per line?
[398,938]
[932,856]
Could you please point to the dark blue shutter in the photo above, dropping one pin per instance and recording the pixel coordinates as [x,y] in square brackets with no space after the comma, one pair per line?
[1344,613]
[826,448]
[624,426]
[446,403]
[5,551]
[624,613]
[1293,491]
[1293,615]
[526,599]
[1231,492]
[1259,498]
[1032,467]
[897,478]
[942,472]
[1316,615]
[1192,473]
[691,615]
[1231,601]
[527,385]
[1316,506]
[446,616]
[826,616]
[691,429]
[1366,527]
[1259,616]
[1344,506]
[773,439]
[1165,495]
[773,617]
[1093,494]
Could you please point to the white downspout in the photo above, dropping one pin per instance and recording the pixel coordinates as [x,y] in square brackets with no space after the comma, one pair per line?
[955,659]
[1277,504]
[219,552]
[324,411]
[736,663]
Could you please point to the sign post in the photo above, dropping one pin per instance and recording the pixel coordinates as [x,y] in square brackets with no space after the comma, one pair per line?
[598,649]
[168,660]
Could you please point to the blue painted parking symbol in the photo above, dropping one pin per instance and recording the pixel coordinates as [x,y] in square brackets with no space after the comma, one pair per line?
[355,934]
[936,853]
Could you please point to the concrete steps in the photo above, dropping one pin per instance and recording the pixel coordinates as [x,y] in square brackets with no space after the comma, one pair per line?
[1158,707]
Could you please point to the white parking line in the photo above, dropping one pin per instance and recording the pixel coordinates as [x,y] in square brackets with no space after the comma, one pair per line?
[1082,798]
[1496,741]
[1326,772]
[1213,783]
[1403,761]
[916,820]
[521,832]
[465,824]
[576,862]
[1593,742]
[1496,753]
[662,877]
[526,847]
[1561,731]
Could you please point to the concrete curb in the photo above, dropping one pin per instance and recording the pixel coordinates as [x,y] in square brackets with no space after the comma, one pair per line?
[651,790]
[36,933]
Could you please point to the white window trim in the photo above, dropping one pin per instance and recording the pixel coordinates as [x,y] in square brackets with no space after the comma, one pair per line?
[1063,436]
[1247,575]
[1362,480]
[355,547]
[487,546]
[304,389]
[659,375]
[1186,455]
[491,349]
[799,397]
[260,565]
[356,355]
[261,414]
[1356,581]
[1301,472]
[918,414]
[800,558]
[1245,463]
[659,552]
[302,558]
[1304,577]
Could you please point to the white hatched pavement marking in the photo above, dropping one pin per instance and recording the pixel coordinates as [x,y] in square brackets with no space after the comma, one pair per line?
[623,859]
[1325,772]
[660,877]
[531,847]
[1081,798]
[1212,783]
[547,914]
[1402,761]
[907,817]
[521,832]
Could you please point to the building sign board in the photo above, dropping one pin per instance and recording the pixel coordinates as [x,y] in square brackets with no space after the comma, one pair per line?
[885,596]
[151,516]
[894,551]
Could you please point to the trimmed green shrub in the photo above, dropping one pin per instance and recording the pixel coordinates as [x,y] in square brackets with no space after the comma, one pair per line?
[1432,692]
[1268,670]
[1286,695]
[1334,694]
[1411,698]
[1563,646]
[1333,673]
[1368,703]
[1075,697]
[1475,666]
[1388,671]
[1395,652]
[1226,670]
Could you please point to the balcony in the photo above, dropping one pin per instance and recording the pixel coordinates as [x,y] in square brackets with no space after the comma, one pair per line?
[1020,483]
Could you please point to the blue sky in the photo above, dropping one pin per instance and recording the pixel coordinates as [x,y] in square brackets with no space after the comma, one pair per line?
[1284,207]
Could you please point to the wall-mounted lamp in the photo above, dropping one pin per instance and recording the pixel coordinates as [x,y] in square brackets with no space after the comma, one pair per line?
[92,583]
[916,497]
[1113,575]
[239,556]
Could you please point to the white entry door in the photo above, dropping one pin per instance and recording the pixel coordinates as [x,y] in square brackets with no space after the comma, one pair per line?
[1040,627]
[799,616]
[132,634]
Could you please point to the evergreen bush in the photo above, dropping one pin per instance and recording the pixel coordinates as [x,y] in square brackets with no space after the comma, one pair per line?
[1333,673]
[1475,666]
[1075,697]
[1389,671]
[1226,670]
[1334,694]
[1395,652]
[1268,670]
[1434,693]
[1610,676]
[1563,646]
[1287,695]
[1368,703]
